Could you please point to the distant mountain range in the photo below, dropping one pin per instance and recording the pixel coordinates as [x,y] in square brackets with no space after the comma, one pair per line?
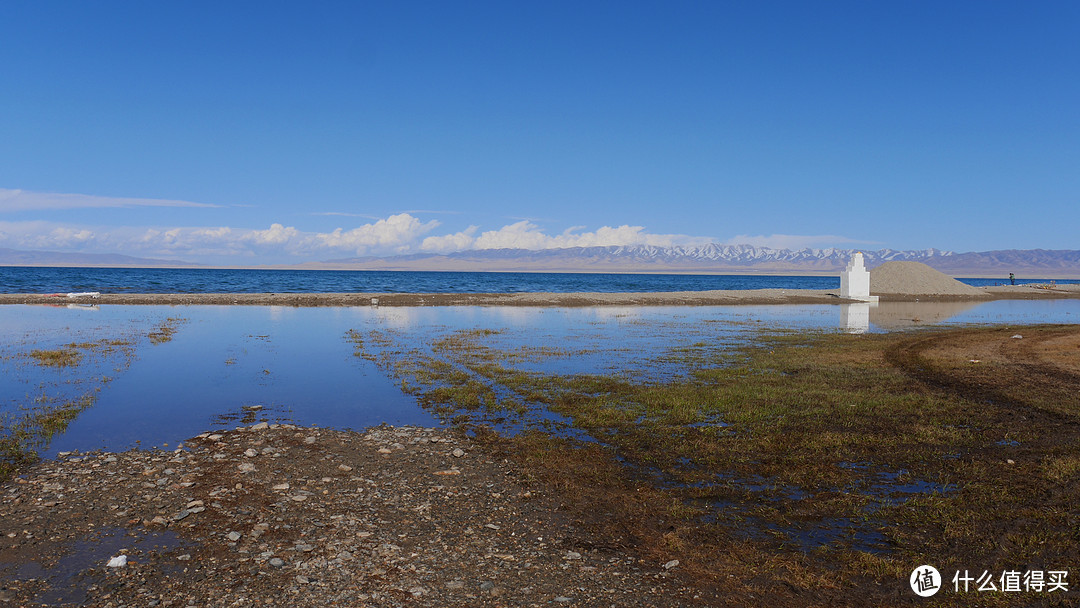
[15,257]
[717,259]
[707,259]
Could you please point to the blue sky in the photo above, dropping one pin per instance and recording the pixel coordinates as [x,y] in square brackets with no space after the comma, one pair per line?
[269,132]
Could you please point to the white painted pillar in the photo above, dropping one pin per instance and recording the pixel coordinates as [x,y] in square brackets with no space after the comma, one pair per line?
[855,280]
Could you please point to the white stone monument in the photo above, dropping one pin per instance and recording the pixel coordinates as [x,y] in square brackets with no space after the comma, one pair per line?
[855,281]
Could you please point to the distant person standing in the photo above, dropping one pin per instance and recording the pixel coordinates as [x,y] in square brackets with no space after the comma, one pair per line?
[1012,279]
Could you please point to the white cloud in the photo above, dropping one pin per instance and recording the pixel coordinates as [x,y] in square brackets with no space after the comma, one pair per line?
[21,200]
[396,234]
[794,241]
[450,243]
[526,235]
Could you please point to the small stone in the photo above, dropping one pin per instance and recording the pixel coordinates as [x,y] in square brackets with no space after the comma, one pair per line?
[310,440]
[194,510]
[1017,337]
[384,450]
[573,555]
[448,472]
[494,527]
[262,426]
[233,536]
[215,437]
[303,580]
[299,497]
[185,557]
[246,467]
[250,453]
[487,586]
[673,563]
[417,591]
[195,503]
[277,562]
[458,453]
[281,486]
[110,459]
[455,585]
[344,467]
[117,562]
[562,599]
[1010,461]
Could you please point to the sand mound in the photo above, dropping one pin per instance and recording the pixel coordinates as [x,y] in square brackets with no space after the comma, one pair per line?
[916,278]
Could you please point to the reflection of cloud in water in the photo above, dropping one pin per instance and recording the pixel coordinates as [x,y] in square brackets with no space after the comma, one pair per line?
[855,318]
[398,317]
[900,315]
[276,313]
[518,315]
[607,313]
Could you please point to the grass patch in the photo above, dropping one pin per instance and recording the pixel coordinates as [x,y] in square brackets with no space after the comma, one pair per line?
[165,332]
[814,464]
[57,357]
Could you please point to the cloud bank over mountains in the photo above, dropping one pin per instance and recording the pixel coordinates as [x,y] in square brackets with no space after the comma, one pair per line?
[394,235]
[397,234]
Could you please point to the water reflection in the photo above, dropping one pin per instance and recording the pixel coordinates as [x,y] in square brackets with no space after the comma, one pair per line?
[297,365]
[855,318]
[891,316]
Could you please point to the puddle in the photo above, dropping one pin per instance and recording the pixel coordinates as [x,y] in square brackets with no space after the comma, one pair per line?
[82,564]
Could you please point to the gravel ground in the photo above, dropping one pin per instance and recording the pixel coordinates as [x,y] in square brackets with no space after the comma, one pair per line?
[916,278]
[281,515]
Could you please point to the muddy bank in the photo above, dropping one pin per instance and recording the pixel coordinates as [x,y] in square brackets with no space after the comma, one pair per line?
[674,298]
[281,515]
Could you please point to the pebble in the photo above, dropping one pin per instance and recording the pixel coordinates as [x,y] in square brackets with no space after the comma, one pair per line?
[673,563]
[250,453]
[117,562]
[262,426]
[458,453]
[233,536]
[277,562]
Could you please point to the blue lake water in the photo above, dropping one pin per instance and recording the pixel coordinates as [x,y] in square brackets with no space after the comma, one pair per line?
[213,280]
[297,364]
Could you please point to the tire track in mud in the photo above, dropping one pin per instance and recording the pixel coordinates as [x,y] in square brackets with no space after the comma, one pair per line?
[1024,369]
[1023,372]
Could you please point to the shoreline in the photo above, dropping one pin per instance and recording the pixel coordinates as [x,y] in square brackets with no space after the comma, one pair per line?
[571,299]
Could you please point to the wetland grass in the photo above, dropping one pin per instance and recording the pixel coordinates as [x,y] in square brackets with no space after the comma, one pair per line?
[805,463]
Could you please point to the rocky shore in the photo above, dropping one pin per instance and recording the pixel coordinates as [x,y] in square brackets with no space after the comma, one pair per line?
[281,515]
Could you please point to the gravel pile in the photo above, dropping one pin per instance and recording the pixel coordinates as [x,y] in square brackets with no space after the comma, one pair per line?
[281,515]
[915,279]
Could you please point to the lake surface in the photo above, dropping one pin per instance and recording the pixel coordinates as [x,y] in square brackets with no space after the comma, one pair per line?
[297,364]
[212,280]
